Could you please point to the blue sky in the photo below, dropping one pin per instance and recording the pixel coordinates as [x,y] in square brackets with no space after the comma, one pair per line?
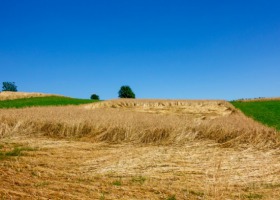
[176,49]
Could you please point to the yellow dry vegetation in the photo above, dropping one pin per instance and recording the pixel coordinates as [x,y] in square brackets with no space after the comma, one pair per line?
[21,95]
[139,149]
[193,107]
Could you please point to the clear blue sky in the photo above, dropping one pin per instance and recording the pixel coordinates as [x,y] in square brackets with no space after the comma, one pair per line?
[193,49]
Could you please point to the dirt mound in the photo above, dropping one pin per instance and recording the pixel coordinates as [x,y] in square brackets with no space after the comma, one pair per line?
[21,95]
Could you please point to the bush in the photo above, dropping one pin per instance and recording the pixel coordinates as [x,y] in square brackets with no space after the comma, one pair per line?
[9,86]
[94,97]
[126,92]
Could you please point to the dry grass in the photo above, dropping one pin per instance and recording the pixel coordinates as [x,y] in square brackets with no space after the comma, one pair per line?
[21,95]
[139,149]
[82,170]
[166,122]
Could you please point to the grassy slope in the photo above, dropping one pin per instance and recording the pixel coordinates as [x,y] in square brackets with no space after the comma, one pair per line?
[266,112]
[43,101]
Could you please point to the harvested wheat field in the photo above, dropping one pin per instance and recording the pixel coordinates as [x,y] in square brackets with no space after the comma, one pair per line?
[137,149]
[21,95]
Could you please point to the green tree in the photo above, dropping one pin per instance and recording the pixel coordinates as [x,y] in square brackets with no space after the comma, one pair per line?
[9,86]
[126,92]
[94,97]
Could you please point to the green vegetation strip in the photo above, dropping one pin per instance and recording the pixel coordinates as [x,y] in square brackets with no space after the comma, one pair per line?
[17,151]
[43,101]
[266,112]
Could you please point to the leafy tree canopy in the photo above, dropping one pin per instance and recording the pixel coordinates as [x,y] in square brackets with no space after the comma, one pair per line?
[126,92]
[9,86]
[94,97]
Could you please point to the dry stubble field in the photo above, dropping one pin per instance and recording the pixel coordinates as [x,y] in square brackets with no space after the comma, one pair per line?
[138,149]
[20,95]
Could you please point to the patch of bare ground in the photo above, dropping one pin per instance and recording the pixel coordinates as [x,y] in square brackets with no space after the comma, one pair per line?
[21,95]
[126,150]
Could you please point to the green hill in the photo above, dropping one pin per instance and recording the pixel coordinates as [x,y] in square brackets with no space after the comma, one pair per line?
[43,101]
[266,112]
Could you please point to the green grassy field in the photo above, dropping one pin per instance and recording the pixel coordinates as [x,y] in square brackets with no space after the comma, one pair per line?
[266,112]
[43,101]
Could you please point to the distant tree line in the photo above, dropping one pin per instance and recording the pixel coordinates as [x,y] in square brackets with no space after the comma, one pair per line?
[249,99]
[124,92]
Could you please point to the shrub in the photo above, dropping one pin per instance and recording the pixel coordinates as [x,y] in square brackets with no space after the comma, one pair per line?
[94,97]
[9,86]
[126,92]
